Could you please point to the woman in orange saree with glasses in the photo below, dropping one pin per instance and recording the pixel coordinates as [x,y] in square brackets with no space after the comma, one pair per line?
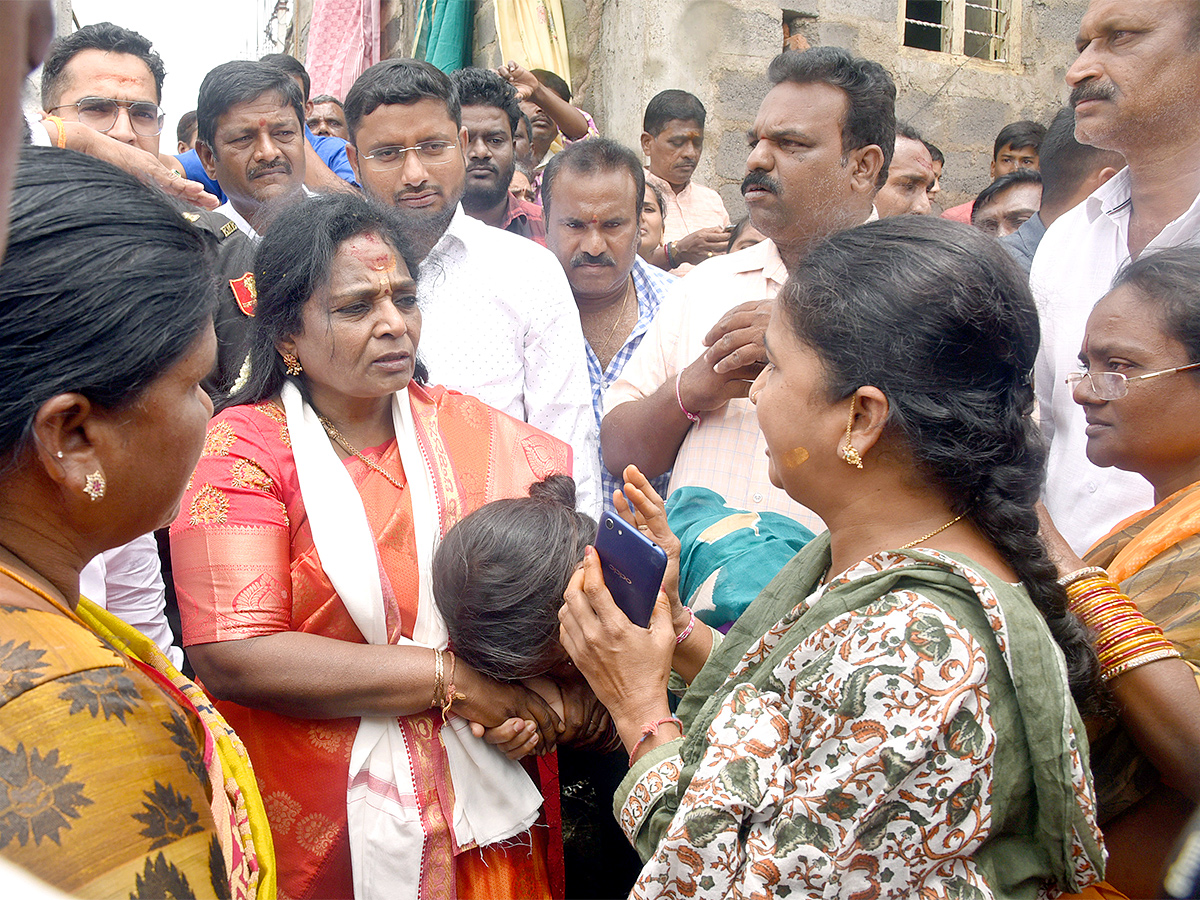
[301,557]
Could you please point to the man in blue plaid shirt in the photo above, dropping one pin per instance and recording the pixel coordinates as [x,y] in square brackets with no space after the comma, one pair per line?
[592,195]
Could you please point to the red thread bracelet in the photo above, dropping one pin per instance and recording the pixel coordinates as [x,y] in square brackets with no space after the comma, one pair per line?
[695,418]
[683,635]
[652,728]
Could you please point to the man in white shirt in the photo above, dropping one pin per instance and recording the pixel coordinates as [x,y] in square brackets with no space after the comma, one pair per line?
[250,139]
[1135,88]
[498,317]
[821,145]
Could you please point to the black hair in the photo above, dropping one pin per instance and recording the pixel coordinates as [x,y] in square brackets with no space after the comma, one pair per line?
[658,195]
[483,87]
[1002,184]
[499,577]
[294,261]
[553,81]
[185,130]
[1170,280]
[528,126]
[935,152]
[666,106]
[871,110]
[1019,135]
[402,81]
[292,66]
[738,227]
[241,81]
[105,287]
[327,98]
[102,36]
[939,317]
[592,155]
[905,130]
[1065,163]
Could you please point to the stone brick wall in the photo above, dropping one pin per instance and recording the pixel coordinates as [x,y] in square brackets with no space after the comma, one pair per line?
[623,52]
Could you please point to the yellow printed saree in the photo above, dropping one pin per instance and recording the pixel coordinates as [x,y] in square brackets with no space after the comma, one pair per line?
[104,787]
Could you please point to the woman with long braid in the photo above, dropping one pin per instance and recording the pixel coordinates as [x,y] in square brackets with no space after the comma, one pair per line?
[891,716]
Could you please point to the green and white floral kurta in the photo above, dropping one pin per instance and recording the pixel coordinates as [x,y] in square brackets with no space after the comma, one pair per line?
[904,731]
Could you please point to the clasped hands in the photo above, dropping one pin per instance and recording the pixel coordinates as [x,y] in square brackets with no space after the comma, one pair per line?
[735,356]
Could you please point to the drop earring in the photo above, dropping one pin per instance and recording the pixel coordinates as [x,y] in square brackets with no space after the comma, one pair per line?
[849,454]
[292,364]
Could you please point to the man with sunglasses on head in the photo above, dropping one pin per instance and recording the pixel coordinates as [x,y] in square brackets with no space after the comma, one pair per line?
[110,79]
[498,317]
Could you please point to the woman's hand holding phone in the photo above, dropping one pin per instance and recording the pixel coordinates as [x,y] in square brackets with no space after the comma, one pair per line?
[627,666]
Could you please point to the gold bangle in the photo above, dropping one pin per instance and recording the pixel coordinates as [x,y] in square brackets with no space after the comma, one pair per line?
[1086,572]
[1120,668]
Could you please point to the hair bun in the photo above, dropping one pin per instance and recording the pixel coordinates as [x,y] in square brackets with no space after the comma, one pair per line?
[558,489]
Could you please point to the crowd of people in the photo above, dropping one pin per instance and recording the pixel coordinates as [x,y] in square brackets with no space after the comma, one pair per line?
[306,431]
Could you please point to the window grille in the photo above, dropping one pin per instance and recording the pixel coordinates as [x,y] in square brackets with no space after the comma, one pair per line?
[975,28]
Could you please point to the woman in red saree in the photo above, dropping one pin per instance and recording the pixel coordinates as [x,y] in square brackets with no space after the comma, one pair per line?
[301,557]
[1137,588]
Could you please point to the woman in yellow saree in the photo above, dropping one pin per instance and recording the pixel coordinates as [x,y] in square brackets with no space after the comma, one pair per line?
[117,779]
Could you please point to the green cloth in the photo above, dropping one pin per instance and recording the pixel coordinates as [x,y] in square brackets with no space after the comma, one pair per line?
[444,33]
[1037,816]
[728,555]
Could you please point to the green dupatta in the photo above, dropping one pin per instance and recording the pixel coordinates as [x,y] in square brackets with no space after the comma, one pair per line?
[1043,816]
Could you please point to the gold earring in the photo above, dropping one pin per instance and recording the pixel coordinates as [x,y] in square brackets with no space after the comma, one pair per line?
[95,485]
[292,364]
[849,454]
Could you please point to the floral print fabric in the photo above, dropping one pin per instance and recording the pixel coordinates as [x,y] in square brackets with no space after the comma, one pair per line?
[103,787]
[860,763]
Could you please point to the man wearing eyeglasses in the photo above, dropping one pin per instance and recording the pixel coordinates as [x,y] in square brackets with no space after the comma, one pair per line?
[1135,90]
[109,79]
[498,317]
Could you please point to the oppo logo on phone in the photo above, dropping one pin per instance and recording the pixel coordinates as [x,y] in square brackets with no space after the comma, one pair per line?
[638,564]
[620,574]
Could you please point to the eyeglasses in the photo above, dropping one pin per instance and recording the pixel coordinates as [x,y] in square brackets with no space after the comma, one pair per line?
[432,153]
[1114,385]
[100,114]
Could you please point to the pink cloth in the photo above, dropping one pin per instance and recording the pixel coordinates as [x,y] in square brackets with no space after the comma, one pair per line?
[343,42]
[693,208]
[960,213]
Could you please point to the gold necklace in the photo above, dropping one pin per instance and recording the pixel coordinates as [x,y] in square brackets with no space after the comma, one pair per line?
[41,593]
[620,315]
[926,537]
[331,430]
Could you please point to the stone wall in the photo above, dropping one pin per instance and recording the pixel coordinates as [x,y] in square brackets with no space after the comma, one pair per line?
[623,52]
[960,104]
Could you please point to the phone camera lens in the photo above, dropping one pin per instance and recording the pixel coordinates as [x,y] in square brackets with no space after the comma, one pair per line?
[608,524]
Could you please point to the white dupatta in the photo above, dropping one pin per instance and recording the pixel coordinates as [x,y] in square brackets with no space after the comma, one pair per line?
[493,797]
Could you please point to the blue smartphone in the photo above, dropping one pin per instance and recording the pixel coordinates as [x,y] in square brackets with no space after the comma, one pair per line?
[633,567]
